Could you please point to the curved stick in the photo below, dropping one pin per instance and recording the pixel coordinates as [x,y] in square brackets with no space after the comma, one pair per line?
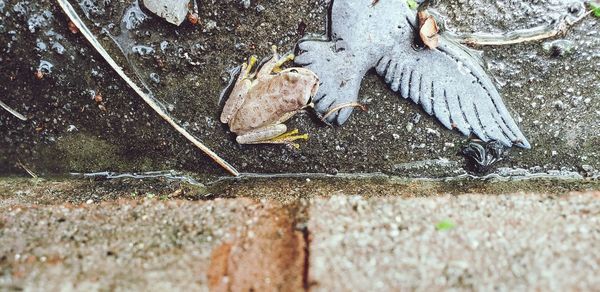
[519,36]
[342,106]
[70,12]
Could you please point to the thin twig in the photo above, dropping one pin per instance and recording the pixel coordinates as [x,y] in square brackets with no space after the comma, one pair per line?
[341,106]
[29,171]
[12,111]
[74,17]
[519,36]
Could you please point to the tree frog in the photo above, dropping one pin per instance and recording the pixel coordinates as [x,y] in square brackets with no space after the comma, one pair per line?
[261,102]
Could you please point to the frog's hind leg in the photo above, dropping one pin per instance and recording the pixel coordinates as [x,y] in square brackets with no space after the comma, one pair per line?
[275,134]
[241,87]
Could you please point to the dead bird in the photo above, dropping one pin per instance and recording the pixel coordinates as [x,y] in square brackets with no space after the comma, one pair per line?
[447,80]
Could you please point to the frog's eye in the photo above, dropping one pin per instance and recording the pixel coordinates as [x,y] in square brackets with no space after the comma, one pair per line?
[294,71]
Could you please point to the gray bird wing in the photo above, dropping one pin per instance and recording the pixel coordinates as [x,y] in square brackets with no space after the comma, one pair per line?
[450,84]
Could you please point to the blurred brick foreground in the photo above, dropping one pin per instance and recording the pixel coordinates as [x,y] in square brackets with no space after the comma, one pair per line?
[324,243]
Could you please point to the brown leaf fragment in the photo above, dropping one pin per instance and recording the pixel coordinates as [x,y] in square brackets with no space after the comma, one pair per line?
[428,30]
[98,97]
[193,18]
[73,28]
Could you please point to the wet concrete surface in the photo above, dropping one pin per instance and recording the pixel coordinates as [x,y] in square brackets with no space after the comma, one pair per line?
[554,98]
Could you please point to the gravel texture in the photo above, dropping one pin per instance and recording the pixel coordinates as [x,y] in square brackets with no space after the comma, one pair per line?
[522,242]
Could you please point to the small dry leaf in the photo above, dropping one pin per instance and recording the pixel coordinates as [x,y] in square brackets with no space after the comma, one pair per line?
[193,18]
[428,30]
[98,98]
[73,28]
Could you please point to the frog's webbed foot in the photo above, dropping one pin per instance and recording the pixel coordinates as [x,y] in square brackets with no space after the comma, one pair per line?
[239,90]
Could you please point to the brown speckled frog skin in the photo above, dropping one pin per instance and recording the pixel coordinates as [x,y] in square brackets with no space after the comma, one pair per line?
[260,103]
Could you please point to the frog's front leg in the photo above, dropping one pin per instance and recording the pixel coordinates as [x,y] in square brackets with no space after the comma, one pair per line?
[288,58]
[274,64]
[275,134]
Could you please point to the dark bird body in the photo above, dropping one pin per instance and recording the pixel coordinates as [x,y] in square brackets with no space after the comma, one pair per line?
[448,81]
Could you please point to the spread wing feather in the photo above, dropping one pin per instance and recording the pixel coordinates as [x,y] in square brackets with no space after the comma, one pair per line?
[451,85]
